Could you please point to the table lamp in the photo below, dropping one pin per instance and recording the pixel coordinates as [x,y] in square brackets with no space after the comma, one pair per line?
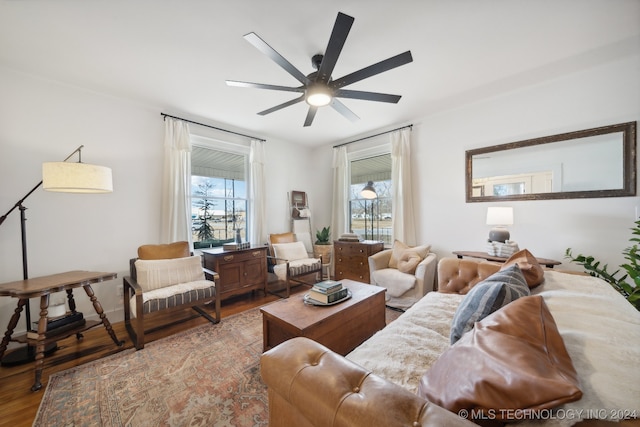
[499,217]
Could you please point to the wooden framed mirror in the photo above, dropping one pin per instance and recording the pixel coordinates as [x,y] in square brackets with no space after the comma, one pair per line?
[598,162]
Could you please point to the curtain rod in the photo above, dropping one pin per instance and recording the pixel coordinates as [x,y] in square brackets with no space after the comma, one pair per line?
[372,136]
[212,127]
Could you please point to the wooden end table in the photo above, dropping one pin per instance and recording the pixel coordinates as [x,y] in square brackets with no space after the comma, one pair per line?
[42,287]
[341,327]
[483,255]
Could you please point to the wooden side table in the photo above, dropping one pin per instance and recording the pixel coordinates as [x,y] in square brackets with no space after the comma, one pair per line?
[42,287]
[483,255]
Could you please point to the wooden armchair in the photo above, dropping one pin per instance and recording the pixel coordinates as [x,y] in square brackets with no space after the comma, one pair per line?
[166,278]
[291,263]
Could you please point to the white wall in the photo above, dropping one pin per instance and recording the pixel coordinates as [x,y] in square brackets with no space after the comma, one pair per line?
[602,95]
[45,121]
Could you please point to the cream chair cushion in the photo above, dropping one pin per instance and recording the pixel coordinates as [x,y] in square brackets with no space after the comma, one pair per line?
[395,281]
[289,251]
[160,273]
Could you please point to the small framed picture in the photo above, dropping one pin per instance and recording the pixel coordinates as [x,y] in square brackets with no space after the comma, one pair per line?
[299,198]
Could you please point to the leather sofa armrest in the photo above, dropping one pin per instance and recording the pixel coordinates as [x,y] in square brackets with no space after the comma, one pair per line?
[310,385]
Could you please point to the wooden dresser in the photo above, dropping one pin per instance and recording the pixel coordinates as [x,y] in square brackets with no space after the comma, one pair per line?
[351,259]
[240,271]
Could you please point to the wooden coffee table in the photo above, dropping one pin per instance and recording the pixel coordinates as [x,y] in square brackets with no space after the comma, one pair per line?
[341,327]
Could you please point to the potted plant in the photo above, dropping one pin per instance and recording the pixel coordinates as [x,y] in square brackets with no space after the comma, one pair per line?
[323,246]
[628,284]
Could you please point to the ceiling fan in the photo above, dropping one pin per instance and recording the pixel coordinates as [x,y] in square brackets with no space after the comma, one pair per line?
[318,88]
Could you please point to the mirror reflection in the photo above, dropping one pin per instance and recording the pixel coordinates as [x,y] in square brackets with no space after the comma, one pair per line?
[597,162]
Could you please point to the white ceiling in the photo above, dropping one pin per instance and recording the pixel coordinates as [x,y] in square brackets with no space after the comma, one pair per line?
[175,55]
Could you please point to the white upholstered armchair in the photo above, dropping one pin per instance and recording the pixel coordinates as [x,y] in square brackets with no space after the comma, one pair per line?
[407,273]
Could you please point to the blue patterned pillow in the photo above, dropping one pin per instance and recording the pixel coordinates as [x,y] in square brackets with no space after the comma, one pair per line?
[488,296]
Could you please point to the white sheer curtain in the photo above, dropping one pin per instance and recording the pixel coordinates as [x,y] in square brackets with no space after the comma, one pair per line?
[339,214]
[402,209]
[257,232]
[176,183]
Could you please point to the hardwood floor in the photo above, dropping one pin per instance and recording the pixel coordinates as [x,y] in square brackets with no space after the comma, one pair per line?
[19,405]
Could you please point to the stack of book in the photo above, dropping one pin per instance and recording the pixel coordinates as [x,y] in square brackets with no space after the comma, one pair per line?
[349,237]
[328,291]
[59,325]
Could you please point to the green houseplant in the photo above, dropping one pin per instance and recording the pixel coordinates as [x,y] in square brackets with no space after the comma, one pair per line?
[323,246]
[322,236]
[626,282]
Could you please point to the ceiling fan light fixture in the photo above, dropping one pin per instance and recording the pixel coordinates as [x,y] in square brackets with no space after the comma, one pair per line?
[318,96]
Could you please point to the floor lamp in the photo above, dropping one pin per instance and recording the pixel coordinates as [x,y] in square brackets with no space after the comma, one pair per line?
[369,193]
[60,177]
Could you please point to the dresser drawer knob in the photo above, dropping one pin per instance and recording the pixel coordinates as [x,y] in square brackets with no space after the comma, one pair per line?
[256,253]
[228,257]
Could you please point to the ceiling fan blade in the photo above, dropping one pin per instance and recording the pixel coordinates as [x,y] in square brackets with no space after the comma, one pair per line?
[310,115]
[263,47]
[264,86]
[367,96]
[281,106]
[342,109]
[372,70]
[336,42]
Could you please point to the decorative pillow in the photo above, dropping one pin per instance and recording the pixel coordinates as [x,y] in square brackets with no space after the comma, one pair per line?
[399,248]
[490,295]
[164,251]
[160,273]
[531,269]
[289,251]
[408,262]
[514,360]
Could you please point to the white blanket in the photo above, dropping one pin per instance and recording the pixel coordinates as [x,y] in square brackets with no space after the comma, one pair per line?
[600,329]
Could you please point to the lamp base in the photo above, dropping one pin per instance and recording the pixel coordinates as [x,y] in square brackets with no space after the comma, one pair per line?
[498,234]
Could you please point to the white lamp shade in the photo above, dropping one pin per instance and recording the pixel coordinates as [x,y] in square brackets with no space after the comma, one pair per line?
[76,178]
[499,216]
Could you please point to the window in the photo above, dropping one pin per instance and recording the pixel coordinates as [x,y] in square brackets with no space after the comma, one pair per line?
[371,218]
[218,196]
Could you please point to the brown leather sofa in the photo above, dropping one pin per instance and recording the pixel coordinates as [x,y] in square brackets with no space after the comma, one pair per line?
[309,385]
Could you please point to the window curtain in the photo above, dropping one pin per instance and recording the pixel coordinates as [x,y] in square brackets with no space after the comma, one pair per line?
[401,191]
[176,183]
[339,214]
[257,233]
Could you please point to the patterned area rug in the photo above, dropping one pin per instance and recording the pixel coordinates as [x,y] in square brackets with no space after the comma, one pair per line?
[206,376]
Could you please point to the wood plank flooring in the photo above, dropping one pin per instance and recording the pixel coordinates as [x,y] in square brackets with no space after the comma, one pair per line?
[19,405]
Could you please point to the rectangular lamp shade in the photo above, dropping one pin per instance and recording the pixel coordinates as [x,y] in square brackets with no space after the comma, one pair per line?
[76,178]
[499,216]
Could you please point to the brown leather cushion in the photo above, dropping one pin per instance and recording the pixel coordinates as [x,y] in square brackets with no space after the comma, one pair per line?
[513,359]
[167,251]
[532,270]
[282,238]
